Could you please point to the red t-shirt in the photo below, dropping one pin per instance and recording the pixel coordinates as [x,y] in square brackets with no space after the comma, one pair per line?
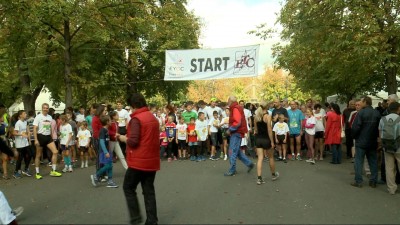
[191,130]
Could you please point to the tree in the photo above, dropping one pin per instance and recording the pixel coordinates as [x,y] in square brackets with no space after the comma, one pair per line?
[339,46]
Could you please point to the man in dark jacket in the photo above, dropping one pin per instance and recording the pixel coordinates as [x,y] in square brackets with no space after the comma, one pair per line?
[365,132]
[237,129]
[143,159]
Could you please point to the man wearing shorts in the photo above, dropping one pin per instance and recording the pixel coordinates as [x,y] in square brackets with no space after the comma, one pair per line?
[295,129]
[42,135]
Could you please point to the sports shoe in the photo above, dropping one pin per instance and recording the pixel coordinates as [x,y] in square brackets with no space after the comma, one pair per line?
[221,155]
[198,159]
[65,170]
[275,176]
[175,158]
[17,175]
[111,184]
[260,181]
[298,157]
[284,160]
[38,176]
[203,158]
[308,160]
[82,165]
[354,184]
[94,180]
[250,167]
[26,173]
[293,157]
[192,158]
[230,174]
[70,169]
[169,159]
[86,165]
[5,177]
[17,211]
[214,158]
[55,174]
[312,161]
[225,157]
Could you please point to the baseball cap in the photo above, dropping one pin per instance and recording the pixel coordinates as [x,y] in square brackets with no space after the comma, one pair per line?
[213,99]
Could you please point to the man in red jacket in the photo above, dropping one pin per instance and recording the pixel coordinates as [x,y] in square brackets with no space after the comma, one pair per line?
[143,158]
[237,129]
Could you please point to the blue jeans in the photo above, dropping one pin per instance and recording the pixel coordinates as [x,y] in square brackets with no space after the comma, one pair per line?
[336,153]
[359,162]
[234,152]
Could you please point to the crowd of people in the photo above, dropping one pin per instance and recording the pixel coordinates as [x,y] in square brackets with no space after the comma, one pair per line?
[271,131]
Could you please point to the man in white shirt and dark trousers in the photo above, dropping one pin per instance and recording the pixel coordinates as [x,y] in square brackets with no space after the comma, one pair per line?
[123,115]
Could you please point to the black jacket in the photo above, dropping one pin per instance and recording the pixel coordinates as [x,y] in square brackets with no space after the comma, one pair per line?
[365,128]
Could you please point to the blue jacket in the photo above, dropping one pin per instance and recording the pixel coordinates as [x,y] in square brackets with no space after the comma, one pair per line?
[365,128]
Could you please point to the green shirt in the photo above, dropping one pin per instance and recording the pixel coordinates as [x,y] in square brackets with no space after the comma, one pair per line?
[187,115]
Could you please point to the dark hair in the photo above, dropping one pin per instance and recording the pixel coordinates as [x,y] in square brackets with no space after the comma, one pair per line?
[84,123]
[335,108]
[192,118]
[112,114]
[104,119]
[215,112]
[188,103]
[367,100]
[99,110]
[20,112]
[316,106]
[170,108]
[95,106]
[31,113]
[327,105]
[394,107]
[201,113]
[137,101]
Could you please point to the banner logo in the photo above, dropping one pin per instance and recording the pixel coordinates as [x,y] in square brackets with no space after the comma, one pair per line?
[245,62]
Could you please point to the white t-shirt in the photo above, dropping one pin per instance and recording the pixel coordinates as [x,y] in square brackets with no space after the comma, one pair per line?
[213,123]
[281,128]
[247,115]
[43,123]
[201,129]
[65,133]
[224,122]
[209,111]
[182,131]
[309,121]
[21,142]
[80,118]
[123,115]
[84,137]
[319,126]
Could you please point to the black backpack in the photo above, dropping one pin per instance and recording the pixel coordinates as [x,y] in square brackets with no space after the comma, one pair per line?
[390,140]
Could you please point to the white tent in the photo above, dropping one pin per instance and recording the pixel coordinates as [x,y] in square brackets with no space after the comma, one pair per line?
[44,97]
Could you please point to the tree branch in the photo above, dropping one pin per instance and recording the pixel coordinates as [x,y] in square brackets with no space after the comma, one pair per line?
[52,27]
[76,31]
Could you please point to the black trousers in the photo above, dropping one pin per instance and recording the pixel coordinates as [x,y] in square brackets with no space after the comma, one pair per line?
[349,142]
[132,178]
[122,131]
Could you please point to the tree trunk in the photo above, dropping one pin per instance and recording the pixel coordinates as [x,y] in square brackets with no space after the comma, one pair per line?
[28,97]
[131,78]
[67,64]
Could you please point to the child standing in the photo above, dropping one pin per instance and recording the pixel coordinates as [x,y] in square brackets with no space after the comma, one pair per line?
[181,138]
[65,139]
[213,126]
[170,127]
[202,134]
[281,130]
[163,141]
[224,126]
[84,143]
[105,156]
[22,135]
[192,138]
[310,132]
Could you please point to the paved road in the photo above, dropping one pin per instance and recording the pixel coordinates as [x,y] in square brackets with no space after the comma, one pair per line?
[198,193]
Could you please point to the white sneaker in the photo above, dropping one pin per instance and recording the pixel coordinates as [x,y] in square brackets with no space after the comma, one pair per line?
[65,170]
[225,157]
[82,165]
[86,166]
[70,169]
[17,211]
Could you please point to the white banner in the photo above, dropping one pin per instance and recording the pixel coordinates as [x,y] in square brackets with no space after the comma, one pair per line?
[206,64]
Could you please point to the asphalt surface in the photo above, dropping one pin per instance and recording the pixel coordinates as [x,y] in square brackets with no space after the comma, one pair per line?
[198,193]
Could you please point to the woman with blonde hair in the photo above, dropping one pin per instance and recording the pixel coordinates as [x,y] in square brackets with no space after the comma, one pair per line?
[264,140]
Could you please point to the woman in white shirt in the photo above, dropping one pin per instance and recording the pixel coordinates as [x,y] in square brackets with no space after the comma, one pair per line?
[309,134]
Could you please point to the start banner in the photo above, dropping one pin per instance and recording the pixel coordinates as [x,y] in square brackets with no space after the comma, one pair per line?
[208,64]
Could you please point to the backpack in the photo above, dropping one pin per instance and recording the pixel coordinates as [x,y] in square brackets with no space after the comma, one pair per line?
[390,139]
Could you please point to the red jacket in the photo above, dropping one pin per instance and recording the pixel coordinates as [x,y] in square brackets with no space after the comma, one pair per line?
[96,126]
[112,131]
[237,120]
[143,141]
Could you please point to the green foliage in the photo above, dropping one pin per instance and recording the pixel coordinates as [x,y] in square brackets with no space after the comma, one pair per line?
[34,36]
[339,47]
